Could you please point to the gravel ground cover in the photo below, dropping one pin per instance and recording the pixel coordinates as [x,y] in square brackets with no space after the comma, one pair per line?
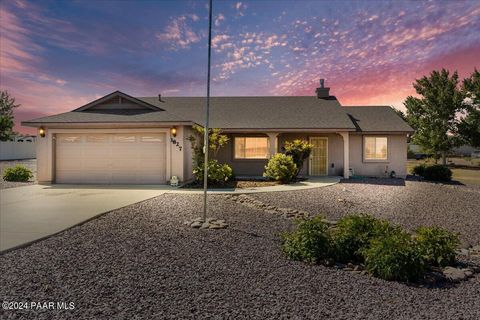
[141,262]
[30,164]
[406,203]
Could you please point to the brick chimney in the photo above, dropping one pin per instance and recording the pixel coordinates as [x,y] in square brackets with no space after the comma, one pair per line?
[322,92]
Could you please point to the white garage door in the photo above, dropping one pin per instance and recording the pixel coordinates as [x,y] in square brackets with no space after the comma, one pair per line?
[111,158]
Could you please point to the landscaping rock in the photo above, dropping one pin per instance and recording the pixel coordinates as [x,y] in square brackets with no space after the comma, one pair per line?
[464,252]
[454,274]
[196,224]
[358,268]
[468,273]
[211,223]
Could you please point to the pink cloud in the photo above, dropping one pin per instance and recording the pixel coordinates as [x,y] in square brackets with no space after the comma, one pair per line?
[178,34]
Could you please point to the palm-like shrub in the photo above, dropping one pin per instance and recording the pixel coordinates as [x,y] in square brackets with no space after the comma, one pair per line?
[299,150]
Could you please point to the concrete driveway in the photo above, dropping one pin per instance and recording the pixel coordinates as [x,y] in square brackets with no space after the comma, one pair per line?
[33,212]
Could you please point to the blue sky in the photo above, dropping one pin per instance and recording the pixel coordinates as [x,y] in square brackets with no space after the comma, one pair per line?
[57,55]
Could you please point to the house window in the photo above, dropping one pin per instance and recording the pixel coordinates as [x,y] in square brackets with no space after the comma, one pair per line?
[251,147]
[375,148]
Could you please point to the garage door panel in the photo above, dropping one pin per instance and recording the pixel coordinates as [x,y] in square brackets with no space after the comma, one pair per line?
[152,152]
[80,176]
[111,158]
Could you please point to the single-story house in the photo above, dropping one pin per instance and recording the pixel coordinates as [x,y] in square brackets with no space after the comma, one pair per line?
[124,139]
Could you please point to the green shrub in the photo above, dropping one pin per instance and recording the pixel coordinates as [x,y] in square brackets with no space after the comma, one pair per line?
[299,150]
[410,153]
[281,168]
[437,245]
[18,173]
[394,256]
[217,173]
[354,233]
[437,172]
[310,242]
[419,170]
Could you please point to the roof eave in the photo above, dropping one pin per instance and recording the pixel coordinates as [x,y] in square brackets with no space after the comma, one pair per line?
[288,129]
[105,123]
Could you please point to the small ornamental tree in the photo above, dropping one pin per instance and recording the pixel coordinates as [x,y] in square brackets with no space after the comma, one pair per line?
[299,150]
[216,141]
[218,173]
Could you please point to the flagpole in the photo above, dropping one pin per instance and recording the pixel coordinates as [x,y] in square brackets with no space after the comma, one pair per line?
[207,111]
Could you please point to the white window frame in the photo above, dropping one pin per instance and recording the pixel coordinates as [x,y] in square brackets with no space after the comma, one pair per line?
[364,144]
[246,137]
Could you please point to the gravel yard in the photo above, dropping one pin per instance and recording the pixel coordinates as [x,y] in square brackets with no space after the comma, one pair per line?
[29,163]
[141,262]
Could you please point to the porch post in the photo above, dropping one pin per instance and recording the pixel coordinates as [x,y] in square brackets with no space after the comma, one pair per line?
[346,154]
[272,143]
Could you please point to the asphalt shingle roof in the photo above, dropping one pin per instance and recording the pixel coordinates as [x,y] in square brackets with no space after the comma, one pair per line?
[287,112]
[376,118]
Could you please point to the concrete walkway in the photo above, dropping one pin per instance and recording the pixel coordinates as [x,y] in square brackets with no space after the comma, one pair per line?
[34,212]
[312,182]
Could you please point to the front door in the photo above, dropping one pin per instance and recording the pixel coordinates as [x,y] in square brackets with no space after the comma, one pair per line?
[319,156]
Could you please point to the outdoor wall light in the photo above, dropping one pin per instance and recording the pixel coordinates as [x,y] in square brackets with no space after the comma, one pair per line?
[173,131]
[41,132]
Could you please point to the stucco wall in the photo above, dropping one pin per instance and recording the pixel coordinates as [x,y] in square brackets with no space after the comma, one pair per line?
[45,159]
[397,156]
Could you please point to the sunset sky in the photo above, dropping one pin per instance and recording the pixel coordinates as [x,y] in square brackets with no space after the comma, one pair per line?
[58,55]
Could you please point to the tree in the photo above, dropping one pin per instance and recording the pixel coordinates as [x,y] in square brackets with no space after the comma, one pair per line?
[217,173]
[400,113]
[7,104]
[434,114]
[469,126]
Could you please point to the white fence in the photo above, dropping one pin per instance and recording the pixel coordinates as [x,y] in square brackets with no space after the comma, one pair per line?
[13,150]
